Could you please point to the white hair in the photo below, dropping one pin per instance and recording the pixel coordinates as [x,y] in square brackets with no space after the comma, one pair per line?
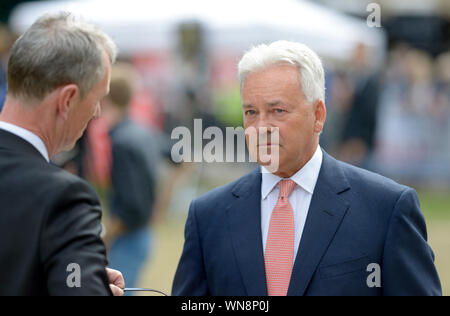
[312,75]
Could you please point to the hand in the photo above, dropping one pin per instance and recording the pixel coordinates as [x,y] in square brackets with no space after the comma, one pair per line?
[116,281]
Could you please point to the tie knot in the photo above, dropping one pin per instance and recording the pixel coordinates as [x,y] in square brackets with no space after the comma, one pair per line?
[286,188]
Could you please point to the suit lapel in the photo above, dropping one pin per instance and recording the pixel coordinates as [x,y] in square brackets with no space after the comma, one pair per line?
[244,217]
[326,211]
[325,214]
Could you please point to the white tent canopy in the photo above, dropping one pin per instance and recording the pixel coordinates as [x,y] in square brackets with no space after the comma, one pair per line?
[140,25]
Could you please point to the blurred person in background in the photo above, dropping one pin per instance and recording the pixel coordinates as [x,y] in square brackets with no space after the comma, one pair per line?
[441,109]
[420,108]
[58,72]
[359,127]
[339,99]
[136,156]
[412,116]
[420,92]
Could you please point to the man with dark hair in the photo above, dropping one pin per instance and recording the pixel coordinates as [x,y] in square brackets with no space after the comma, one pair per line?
[136,152]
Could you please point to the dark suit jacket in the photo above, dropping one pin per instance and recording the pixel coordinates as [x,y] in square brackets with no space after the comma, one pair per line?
[355,218]
[48,220]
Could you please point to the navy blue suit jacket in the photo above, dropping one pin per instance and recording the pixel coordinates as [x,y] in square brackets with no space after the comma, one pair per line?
[355,218]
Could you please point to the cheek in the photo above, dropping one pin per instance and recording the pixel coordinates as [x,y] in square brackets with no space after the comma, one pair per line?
[248,121]
[83,117]
[89,112]
[292,135]
[303,123]
[94,109]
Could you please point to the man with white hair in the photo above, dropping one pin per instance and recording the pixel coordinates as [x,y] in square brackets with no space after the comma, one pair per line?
[58,72]
[312,226]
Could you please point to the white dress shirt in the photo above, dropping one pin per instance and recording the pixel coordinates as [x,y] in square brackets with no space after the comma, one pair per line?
[27,136]
[300,198]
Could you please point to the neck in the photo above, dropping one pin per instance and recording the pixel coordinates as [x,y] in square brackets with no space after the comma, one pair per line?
[33,117]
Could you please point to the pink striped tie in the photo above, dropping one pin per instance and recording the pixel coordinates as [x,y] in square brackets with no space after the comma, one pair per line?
[279,256]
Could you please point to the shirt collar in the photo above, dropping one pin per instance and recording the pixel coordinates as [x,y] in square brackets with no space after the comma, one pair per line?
[31,138]
[306,177]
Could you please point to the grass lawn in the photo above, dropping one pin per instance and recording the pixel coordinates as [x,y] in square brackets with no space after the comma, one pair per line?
[436,209]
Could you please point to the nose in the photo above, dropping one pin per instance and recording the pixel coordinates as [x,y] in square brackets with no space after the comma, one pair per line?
[264,127]
[264,124]
[262,121]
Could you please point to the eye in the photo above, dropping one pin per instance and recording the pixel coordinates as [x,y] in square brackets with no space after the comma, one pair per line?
[279,110]
[250,112]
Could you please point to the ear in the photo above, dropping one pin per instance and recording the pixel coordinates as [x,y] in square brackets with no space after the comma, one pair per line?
[66,97]
[321,115]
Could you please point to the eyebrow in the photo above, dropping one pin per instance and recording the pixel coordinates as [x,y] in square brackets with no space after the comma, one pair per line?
[274,103]
[270,104]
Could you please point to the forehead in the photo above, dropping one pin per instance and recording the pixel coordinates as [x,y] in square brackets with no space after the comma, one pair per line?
[274,81]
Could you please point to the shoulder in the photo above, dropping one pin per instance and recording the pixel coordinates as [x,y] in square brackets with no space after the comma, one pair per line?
[365,179]
[372,191]
[63,185]
[128,131]
[70,200]
[373,198]
[220,197]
